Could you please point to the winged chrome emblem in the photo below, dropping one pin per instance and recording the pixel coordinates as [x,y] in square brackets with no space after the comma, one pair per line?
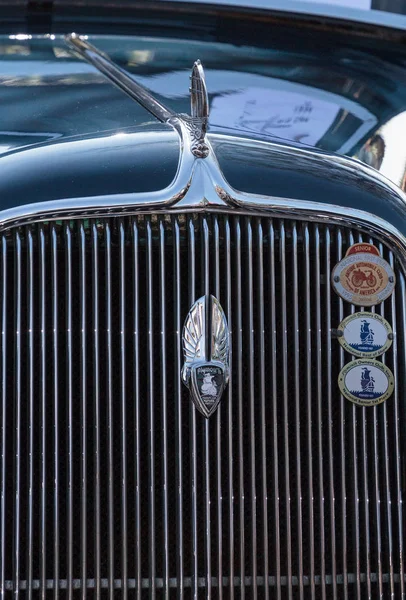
[206,352]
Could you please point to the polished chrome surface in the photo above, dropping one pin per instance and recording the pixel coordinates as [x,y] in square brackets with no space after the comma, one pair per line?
[200,184]
[196,124]
[286,465]
[206,350]
[199,120]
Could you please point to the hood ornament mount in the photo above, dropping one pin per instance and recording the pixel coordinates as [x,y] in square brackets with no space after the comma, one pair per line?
[197,124]
[199,181]
[206,347]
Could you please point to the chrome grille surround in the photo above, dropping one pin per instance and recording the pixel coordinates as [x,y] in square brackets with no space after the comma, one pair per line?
[237,499]
[288,483]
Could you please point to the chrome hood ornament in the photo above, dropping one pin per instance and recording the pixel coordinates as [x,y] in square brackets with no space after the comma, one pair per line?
[206,352]
[199,107]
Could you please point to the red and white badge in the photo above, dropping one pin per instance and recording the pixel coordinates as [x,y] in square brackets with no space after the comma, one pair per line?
[363,277]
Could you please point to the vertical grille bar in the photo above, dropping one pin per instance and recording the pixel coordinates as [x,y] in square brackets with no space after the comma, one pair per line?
[399,406]
[251,351]
[178,395]
[342,441]
[378,502]
[230,408]
[354,414]
[206,279]
[274,387]
[218,425]
[136,376]
[55,355]
[238,329]
[192,421]
[320,376]
[331,434]
[83,393]
[282,234]
[388,496]
[4,438]
[262,359]
[309,398]
[70,410]
[297,406]
[164,402]
[366,536]
[30,397]
[110,432]
[399,495]
[151,421]
[43,394]
[96,405]
[365,470]
[124,513]
[17,449]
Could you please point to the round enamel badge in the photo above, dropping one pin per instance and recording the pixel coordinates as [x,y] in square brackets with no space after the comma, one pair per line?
[363,277]
[365,334]
[366,382]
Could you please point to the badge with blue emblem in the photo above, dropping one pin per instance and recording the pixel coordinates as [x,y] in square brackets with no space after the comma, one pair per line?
[206,350]
[366,382]
[365,334]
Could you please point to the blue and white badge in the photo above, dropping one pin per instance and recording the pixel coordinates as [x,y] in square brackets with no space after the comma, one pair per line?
[365,334]
[366,382]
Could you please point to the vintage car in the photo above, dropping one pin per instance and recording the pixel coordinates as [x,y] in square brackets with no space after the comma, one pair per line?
[202,300]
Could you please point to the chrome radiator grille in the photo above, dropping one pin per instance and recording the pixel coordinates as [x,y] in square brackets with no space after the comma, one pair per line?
[111,483]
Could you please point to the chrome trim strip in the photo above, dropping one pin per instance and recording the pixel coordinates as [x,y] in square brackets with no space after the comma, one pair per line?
[218,426]
[264,425]
[207,475]
[192,421]
[124,409]
[285,400]
[251,378]
[4,437]
[96,406]
[30,402]
[55,357]
[178,402]
[145,583]
[199,186]
[386,470]
[164,410]
[151,408]
[239,394]
[354,475]
[343,482]
[275,398]
[137,395]
[332,483]
[230,413]
[108,293]
[17,392]
[69,396]
[309,401]
[83,394]
[297,406]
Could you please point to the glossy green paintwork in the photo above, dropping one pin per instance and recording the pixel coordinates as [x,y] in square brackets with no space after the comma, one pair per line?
[66,132]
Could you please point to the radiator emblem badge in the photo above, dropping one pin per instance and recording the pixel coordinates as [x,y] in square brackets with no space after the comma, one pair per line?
[366,382]
[206,352]
[363,277]
[365,334]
